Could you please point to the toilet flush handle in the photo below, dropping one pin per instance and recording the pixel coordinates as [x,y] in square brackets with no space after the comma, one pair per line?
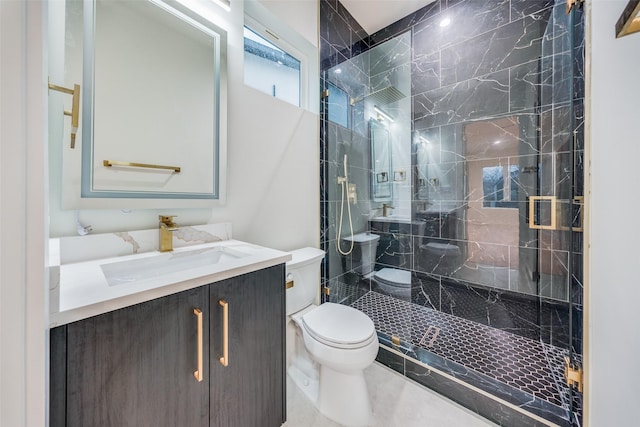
[289,283]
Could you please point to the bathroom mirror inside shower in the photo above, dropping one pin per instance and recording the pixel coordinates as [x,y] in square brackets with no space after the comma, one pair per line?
[381,179]
[153,118]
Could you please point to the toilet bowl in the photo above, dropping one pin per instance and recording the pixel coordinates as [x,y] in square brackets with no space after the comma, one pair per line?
[364,255]
[440,258]
[329,345]
[394,282]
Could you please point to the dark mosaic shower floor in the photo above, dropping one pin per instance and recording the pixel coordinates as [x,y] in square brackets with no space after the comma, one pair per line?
[525,364]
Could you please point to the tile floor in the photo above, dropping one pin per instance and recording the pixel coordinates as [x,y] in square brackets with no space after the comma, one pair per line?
[511,359]
[397,402]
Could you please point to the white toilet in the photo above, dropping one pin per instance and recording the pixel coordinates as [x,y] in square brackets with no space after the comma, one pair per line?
[328,346]
[394,281]
[366,245]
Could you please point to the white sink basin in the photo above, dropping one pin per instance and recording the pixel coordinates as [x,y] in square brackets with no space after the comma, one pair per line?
[393,218]
[118,273]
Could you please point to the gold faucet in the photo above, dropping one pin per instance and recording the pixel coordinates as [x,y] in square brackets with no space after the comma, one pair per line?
[385,209]
[167,226]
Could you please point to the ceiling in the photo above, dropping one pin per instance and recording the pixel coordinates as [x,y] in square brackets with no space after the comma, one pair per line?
[374,15]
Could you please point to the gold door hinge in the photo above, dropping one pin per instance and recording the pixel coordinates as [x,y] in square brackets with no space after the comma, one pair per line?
[326,291]
[395,340]
[573,3]
[572,375]
[324,94]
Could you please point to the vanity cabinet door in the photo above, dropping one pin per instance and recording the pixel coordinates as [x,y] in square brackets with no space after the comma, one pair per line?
[250,390]
[135,366]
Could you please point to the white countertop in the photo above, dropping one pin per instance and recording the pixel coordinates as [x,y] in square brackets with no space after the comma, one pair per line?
[397,219]
[80,290]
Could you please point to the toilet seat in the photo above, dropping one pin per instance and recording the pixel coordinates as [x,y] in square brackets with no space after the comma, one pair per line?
[339,326]
[394,277]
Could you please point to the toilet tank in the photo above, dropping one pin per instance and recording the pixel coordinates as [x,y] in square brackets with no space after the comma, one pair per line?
[304,270]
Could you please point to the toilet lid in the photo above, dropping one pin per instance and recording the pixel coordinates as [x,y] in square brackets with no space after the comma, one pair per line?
[339,326]
[394,277]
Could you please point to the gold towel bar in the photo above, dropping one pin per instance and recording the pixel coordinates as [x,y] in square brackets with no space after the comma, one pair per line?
[109,163]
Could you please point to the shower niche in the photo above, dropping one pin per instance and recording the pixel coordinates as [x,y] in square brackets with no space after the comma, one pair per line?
[487,217]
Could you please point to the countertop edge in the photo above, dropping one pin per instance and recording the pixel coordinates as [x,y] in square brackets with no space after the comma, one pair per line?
[84,312]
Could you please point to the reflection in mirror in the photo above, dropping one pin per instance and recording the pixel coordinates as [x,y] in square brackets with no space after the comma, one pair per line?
[423,148]
[496,205]
[500,186]
[153,86]
[339,111]
[381,184]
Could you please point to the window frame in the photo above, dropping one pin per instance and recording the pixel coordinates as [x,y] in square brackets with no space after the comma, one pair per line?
[261,21]
[270,36]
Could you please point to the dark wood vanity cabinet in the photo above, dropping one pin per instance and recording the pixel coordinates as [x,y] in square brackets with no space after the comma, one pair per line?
[240,396]
[135,366]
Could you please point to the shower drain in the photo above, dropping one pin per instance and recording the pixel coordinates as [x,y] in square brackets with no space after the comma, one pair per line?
[429,337]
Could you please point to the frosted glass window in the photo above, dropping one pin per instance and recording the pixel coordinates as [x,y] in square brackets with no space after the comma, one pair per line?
[270,69]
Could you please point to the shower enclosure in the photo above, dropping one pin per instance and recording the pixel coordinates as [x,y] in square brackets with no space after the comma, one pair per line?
[463,129]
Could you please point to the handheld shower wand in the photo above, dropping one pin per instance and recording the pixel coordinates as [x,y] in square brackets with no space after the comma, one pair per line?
[344,183]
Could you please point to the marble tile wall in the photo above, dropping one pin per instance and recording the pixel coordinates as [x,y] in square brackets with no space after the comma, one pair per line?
[497,60]
[342,40]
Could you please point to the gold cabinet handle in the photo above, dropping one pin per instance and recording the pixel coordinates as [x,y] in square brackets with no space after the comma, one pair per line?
[199,373]
[224,360]
[75,108]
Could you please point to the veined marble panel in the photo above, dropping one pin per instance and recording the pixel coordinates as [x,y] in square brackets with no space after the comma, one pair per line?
[467,19]
[425,73]
[483,96]
[521,8]
[403,24]
[516,43]
[334,29]
[96,246]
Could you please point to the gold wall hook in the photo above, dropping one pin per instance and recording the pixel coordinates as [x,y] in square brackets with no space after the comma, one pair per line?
[75,108]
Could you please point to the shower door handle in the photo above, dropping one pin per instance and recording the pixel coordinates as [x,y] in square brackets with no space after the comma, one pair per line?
[553,200]
[558,220]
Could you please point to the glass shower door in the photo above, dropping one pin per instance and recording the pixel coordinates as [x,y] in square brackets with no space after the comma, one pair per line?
[495,241]
[555,210]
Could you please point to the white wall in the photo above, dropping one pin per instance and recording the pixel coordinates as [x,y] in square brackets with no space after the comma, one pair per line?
[613,340]
[274,186]
[23,231]
[273,158]
[301,15]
